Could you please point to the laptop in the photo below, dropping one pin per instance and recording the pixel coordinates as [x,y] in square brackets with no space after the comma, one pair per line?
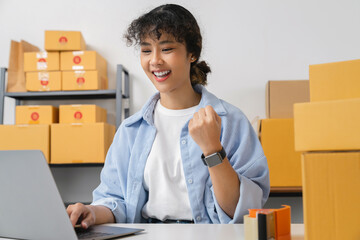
[31,206]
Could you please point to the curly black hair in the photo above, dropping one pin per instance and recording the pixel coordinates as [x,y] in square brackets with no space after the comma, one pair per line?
[179,22]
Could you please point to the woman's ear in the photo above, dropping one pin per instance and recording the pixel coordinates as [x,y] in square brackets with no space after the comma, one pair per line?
[193,59]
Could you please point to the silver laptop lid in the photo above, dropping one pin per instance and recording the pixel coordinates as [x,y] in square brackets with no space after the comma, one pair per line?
[30,204]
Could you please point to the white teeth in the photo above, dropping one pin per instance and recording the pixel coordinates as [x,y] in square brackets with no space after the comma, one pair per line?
[161,74]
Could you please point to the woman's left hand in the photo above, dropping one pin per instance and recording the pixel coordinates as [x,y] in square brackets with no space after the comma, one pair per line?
[205,129]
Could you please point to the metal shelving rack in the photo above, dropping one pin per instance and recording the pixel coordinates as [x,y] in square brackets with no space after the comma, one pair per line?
[121,94]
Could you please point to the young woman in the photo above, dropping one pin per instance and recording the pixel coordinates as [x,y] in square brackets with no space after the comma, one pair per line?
[187,156]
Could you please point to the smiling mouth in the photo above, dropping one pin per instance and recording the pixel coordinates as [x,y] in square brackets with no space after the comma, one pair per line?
[161,75]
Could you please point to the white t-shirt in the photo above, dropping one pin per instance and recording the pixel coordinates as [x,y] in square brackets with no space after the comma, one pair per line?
[164,174]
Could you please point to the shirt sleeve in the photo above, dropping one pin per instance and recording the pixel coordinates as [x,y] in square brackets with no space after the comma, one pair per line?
[111,192]
[246,156]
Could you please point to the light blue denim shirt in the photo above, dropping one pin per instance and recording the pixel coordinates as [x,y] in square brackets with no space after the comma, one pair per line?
[122,188]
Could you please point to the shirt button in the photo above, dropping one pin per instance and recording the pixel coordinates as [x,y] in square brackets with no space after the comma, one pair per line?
[198,218]
[183,142]
[190,181]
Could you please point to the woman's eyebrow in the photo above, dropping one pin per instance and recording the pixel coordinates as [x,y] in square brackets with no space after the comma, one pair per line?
[166,42]
[145,44]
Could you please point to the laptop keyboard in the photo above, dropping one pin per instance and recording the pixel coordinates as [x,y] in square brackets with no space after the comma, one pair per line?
[84,234]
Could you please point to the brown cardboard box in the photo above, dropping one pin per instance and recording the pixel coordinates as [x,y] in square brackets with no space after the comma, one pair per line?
[277,140]
[82,114]
[83,80]
[27,114]
[331,195]
[334,81]
[43,81]
[327,126]
[64,41]
[281,96]
[80,143]
[26,137]
[83,60]
[41,61]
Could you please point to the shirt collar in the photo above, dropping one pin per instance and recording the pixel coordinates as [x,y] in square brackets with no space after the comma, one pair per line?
[147,110]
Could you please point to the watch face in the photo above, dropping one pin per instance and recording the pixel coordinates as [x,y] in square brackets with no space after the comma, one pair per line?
[213,159]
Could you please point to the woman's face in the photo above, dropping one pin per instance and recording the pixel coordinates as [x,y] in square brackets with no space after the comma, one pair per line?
[166,62]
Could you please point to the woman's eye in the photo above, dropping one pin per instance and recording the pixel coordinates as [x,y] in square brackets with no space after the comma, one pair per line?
[145,51]
[167,49]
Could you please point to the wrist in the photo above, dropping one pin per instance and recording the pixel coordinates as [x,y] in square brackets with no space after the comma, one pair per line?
[212,149]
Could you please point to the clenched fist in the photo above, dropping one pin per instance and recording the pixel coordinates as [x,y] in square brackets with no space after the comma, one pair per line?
[205,129]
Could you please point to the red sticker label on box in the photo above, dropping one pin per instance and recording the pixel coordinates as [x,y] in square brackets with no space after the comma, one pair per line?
[63,40]
[78,115]
[80,80]
[44,82]
[77,59]
[42,60]
[34,116]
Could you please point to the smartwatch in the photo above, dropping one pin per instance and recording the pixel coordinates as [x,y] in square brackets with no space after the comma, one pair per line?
[214,159]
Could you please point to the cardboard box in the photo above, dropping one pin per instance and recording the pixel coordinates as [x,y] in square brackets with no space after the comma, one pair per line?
[41,61]
[331,195]
[83,80]
[43,81]
[80,143]
[64,41]
[277,140]
[331,125]
[28,114]
[281,96]
[83,60]
[334,81]
[26,137]
[82,114]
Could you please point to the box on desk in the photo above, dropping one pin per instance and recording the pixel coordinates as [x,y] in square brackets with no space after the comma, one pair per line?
[82,114]
[83,80]
[333,81]
[28,114]
[64,41]
[277,140]
[41,61]
[26,137]
[83,60]
[327,126]
[80,143]
[43,81]
[281,96]
[331,195]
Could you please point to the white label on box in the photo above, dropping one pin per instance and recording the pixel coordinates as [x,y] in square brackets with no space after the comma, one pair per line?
[79,73]
[43,76]
[41,55]
[77,67]
[77,53]
[41,65]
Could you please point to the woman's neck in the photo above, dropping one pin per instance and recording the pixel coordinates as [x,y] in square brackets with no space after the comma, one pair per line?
[177,100]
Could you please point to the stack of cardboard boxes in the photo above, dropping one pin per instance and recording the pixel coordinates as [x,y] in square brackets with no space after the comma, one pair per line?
[65,65]
[276,133]
[68,134]
[327,131]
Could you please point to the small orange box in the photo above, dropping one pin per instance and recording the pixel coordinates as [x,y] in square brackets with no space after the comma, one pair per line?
[41,61]
[43,81]
[277,140]
[83,80]
[27,114]
[64,41]
[82,114]
[80,142]
[26,137]
[83,60]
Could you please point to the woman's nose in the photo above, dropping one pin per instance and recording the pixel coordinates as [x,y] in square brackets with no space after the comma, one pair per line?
[156,59]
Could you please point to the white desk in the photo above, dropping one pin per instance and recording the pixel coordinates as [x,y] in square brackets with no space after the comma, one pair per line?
[197,231]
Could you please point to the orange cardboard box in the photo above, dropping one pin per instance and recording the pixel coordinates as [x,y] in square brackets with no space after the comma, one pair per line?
[331,195]
[83,80]
[281,96]
[41,61]
[80,142]
[83,60]
[277,140]
[43,81]
[334,81]
[82,114]
[27,114]
[64,41]
[26,137]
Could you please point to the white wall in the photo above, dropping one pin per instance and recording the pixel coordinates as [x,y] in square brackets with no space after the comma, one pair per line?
[246,43]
